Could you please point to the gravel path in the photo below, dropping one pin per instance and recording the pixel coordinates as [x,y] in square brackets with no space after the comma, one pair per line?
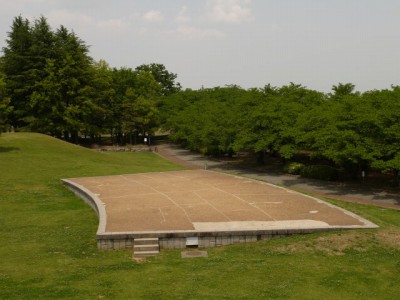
[347,192]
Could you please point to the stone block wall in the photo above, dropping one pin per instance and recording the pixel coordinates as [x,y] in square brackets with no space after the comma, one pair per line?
[114,244]
[205,239]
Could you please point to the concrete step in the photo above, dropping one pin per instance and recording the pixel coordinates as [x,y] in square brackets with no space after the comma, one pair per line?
[146,241]
[152,247]
[145,247]
[145,254]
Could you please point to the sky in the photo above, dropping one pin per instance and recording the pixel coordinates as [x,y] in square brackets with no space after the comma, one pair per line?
[250,43]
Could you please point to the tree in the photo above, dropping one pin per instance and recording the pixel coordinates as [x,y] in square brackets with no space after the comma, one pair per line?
[162,76]
[41,49]
[343,131]
[204,120]
[75,73]
[5,108]
[139,116]
[343,89]
[25,60]
[385,107]
[269,119]
[56,89]
[17,65]
[147,86]
[46,102]
[122,80]
[46,75]
[97,108]
[64,85]
[139,107]
[172,105]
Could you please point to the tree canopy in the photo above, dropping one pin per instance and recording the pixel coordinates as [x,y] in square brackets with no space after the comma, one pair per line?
[55,87]
[348,130]
[50,84]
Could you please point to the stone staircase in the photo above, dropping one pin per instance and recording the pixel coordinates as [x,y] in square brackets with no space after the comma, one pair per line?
[145,247]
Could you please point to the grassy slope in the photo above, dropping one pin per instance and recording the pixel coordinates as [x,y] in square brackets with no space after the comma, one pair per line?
[48,248]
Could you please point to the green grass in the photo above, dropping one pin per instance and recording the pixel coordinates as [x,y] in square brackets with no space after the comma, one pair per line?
[48,248]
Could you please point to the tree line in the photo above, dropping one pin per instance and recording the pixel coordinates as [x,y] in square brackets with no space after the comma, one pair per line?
[50,84]
[345,129]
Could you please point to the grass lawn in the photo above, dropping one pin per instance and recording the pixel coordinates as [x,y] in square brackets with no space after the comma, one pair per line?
[48,248]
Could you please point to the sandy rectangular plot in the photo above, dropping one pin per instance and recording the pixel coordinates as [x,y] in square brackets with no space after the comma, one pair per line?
[175,200]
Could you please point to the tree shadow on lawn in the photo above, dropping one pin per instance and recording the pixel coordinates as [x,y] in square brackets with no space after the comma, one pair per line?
[363,191]
[271,173]
[8,149]
[334,189]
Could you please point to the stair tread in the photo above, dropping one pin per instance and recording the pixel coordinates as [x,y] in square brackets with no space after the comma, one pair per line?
[144,243]
[146,246]
[146,239]
[145,252]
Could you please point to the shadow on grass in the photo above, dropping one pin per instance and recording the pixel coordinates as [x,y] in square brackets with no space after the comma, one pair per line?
[364,191]
[8,149]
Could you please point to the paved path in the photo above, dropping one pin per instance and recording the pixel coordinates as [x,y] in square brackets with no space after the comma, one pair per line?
[346,192]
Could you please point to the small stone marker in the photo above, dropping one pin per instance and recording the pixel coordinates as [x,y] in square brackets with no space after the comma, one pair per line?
[191,254]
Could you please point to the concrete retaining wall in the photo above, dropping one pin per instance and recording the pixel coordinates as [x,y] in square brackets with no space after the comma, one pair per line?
[205,239]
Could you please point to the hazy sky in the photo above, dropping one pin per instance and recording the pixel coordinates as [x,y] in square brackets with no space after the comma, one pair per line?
[317,43]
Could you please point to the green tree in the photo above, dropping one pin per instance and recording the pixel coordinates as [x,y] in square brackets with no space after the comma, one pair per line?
[147,86]
[165,78]
[41,49]
[25,59]
[75,74]
[172,105]
[46,102]
[57,98]
[343,131]
[17,65]
[204,120]
[139,107]
[139,116]
[385,112]
[270,116]
[343,89]
[122,80]
[5,108]
[97,108]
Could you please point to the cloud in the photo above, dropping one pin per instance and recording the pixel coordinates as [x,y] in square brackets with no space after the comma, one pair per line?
[274,27]
[230,11]
[153,16]
[76,20]
[68,18]
[195,33]
[182,17]
[7,5]
[113,24]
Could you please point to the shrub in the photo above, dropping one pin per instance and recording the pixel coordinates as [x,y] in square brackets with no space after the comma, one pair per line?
[322,172]
[294,168]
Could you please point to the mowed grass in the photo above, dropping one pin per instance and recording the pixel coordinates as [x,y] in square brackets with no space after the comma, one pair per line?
[48,248]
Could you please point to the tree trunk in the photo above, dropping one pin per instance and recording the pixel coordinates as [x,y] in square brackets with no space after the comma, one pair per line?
[66,136]
[396,177]
[74,137]
[112,137]
[261,157]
